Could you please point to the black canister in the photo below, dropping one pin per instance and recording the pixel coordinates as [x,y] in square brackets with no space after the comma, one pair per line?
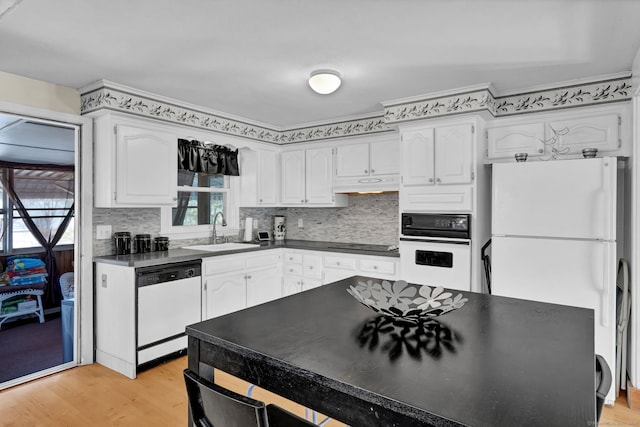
[161,243]
[143,243]
[123,242]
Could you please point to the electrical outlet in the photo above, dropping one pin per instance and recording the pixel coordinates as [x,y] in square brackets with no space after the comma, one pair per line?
[104,280]
[103,232]
[255,224]
[300,223]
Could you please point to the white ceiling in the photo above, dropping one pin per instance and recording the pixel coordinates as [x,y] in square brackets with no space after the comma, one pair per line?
[251,58]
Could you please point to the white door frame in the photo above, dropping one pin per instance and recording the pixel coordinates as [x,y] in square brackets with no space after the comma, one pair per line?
[633,367]
[83,254]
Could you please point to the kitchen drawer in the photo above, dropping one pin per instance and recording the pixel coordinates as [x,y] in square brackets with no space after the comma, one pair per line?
[267,259]
[294,269]
[312,266]
[375,266]
[222,264]
[293,257]
[340,262]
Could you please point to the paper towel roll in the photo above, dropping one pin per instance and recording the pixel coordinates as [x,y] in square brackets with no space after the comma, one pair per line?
[248,229]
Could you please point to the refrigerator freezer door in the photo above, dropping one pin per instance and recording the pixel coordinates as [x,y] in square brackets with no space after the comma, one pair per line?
[562,198]
[579,273]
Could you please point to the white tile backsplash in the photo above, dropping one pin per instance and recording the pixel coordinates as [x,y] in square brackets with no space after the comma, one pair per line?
[369,218]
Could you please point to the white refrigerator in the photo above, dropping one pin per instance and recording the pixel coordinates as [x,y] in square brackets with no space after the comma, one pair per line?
[554,238]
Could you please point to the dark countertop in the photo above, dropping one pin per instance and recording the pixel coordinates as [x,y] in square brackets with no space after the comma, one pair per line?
[493,362]
[179,255]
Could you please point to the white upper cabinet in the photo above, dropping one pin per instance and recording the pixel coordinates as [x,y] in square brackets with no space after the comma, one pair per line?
[352,160]
[562,133]
[267,178]
[136,164]
[453,154]
[590,131]
[319,177]
[307,178]
[418,163]
[506,141]
[384,157]
[259,177]
[293,177]
[368,166]
[437,156]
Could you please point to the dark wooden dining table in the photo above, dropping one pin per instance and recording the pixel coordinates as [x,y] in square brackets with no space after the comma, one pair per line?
[493,362]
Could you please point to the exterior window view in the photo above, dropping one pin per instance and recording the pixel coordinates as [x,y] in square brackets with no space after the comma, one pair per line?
[334,214]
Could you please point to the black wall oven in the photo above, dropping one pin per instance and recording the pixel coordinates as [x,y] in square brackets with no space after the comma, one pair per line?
[435,249]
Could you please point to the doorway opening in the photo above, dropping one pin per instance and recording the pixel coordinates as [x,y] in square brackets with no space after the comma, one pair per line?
[38,247]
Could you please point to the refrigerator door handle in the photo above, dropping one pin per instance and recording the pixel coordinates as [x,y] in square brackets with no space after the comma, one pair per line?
[604,293]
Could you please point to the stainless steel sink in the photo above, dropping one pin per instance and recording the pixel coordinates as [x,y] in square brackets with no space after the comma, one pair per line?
[222,247]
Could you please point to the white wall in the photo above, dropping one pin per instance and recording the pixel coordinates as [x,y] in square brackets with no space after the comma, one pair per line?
[37,99]
[39,94]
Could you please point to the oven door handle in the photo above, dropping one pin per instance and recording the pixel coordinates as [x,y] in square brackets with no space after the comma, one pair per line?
[451,242]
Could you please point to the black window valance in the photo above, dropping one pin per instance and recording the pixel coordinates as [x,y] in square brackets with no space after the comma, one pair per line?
[196,156]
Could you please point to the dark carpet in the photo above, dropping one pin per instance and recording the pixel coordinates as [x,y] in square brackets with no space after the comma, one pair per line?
[27,346]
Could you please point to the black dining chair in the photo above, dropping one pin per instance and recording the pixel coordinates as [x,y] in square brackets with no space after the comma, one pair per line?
[215,406]
[603,383]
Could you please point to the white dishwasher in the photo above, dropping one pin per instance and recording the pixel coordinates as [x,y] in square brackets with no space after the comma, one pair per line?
[168,298]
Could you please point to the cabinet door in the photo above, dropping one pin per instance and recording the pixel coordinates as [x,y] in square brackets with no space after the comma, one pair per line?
[453,154]
[291,284]
[506,141]
[384,158]
[267,177]
[312,266]
[293,177]
[224,293]
[352,160]
[319,176]
[264,285]
[588,132]
[310,283]
[417,153]
[146,167]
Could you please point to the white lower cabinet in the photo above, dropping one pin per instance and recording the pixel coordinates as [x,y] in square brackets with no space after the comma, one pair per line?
[302,271]
[338,267]
[233,282]
[223,294]
[263,285]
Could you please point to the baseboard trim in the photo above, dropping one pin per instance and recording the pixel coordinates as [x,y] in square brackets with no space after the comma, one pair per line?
[633,396]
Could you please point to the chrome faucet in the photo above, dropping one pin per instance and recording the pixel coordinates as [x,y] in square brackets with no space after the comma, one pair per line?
[214,235]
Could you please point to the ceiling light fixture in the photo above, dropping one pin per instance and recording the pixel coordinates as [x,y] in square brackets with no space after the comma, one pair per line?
[324,82]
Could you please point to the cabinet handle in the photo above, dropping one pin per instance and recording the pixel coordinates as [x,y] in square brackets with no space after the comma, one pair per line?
[540,150]
[373,171]
[311,267]
[306,201]
[260,200]
[338,263]
[290,258]
[438,180]
[302,201]
[366,171]
[375,267]
[291,270]
[248,277]
[430,179]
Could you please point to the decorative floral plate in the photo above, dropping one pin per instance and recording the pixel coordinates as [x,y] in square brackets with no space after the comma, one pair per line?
[401,299]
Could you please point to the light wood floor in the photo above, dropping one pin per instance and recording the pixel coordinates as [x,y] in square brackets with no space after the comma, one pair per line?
[95,396]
